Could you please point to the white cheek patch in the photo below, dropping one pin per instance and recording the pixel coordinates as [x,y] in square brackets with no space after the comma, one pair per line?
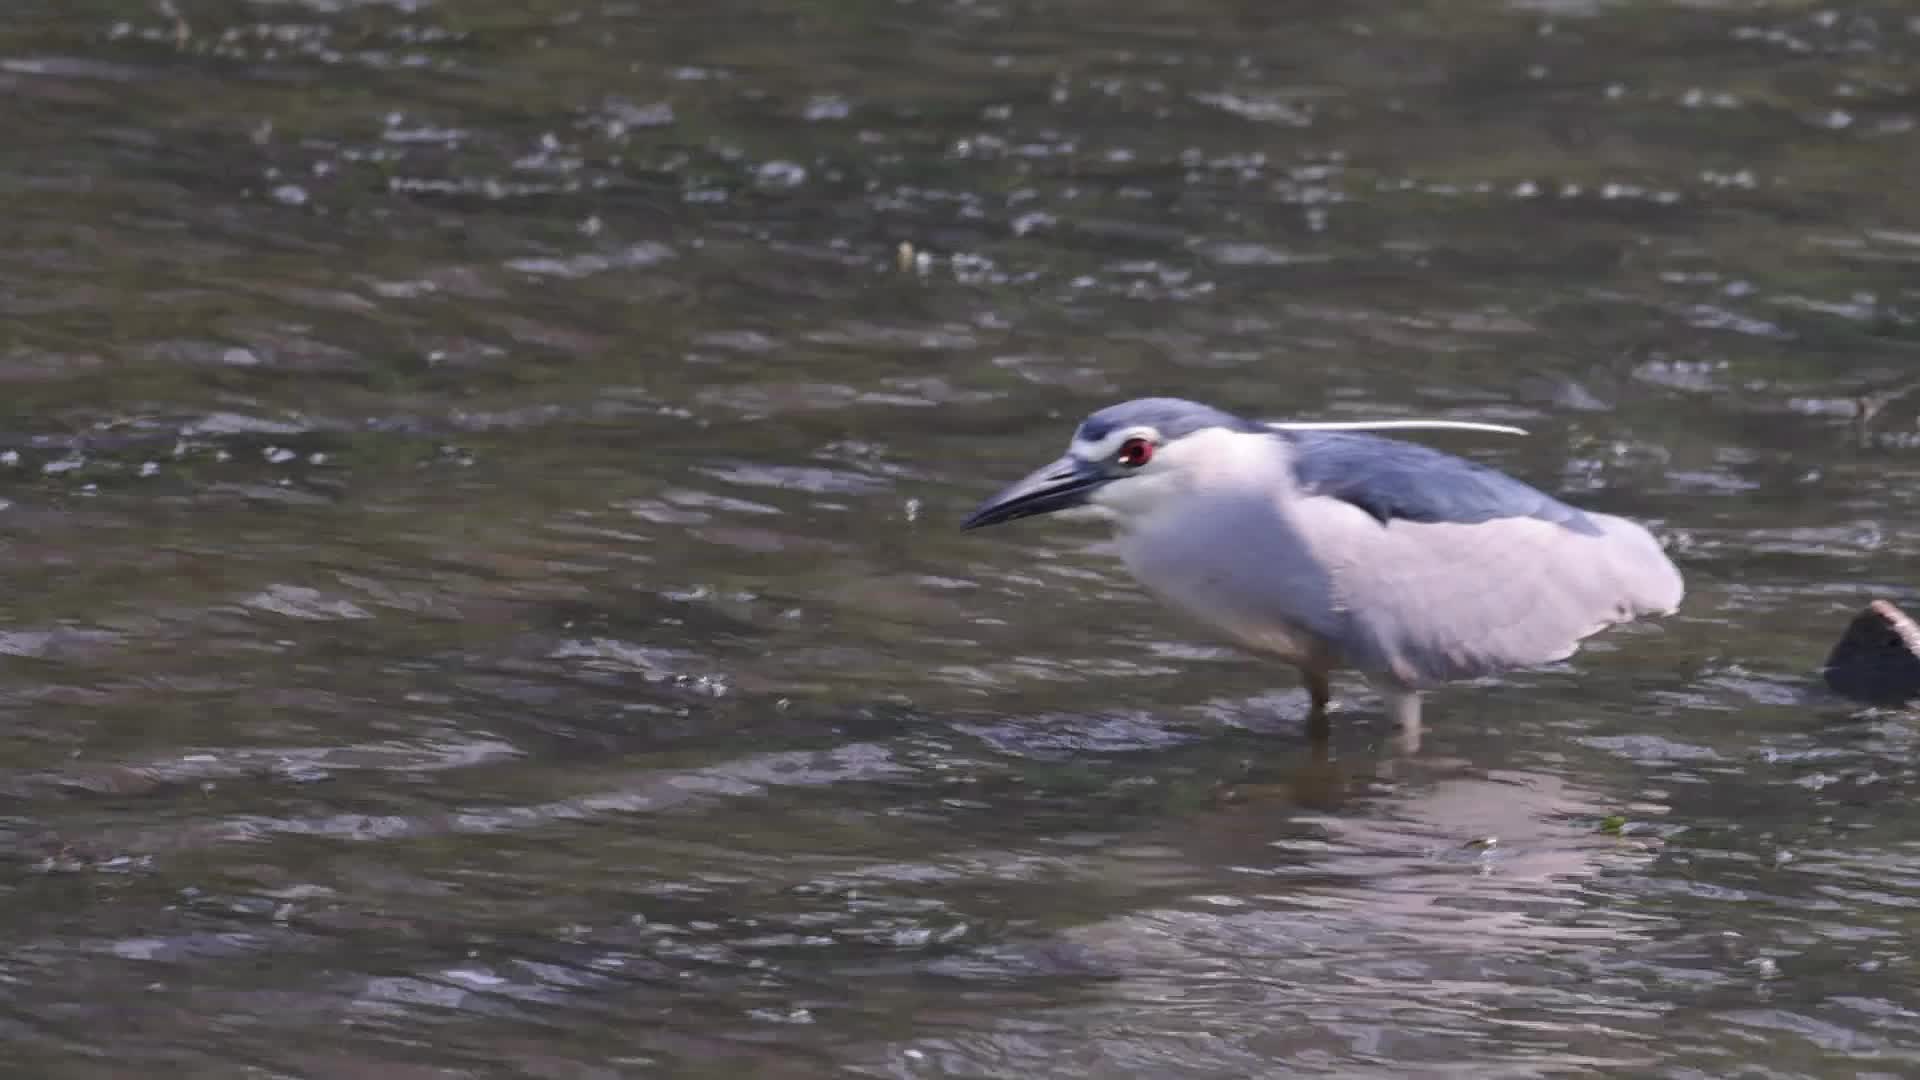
[1218,453]
[1101,449]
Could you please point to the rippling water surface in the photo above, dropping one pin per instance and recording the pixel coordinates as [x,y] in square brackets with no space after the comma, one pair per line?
[481,594]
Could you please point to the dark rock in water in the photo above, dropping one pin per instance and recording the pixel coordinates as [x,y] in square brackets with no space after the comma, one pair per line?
[1878,658]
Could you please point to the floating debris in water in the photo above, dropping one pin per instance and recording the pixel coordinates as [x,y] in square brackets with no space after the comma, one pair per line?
[780,174]
[827,107]
[911,260]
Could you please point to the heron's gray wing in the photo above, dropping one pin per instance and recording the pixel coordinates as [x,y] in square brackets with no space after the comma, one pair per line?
[1427,601]
[1390,479]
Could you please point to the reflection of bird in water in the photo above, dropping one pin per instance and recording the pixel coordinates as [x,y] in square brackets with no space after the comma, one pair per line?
[1331,549]
[1399,922]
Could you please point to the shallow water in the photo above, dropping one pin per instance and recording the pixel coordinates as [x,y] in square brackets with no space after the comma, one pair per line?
[481,596]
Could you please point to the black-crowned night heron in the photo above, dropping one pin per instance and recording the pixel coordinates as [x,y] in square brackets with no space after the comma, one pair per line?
[1335,550]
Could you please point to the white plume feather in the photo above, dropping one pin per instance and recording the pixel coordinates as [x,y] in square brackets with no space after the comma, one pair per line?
[1392,425]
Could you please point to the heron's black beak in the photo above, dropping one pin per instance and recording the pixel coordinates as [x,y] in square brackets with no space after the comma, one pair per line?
[1063,484]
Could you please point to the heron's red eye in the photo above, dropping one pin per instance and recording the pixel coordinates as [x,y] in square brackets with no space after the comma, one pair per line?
[1134,453]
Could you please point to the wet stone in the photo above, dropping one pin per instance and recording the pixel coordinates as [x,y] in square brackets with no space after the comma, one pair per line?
[1878,658]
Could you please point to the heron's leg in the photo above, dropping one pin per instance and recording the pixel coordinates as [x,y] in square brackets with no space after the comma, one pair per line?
[1404,706]
[1318,688]
[1319,729]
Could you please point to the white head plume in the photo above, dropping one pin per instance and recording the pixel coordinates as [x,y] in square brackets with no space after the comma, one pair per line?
[1392,425]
